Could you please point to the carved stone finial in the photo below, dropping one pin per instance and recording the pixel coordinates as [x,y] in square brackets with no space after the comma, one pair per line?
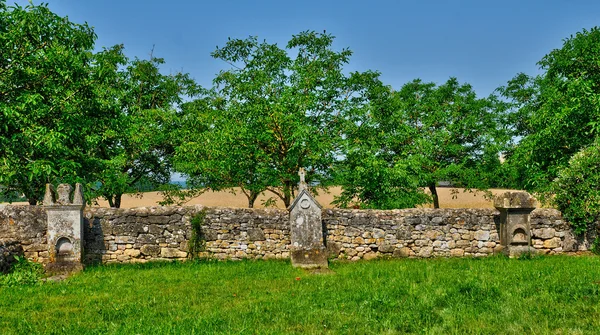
[49,196]
[302,184]
[78,195]
[64,194]
[515,200]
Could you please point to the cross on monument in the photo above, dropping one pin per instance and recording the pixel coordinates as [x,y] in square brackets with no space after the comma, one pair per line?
[302,184]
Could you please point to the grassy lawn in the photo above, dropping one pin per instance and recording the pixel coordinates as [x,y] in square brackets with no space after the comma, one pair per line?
[546,295]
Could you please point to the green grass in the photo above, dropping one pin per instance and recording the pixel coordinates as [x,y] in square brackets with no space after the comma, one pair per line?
[547,295]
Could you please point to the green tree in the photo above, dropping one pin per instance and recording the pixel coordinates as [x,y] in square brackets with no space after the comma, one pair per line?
[141,142]
[50,124]
[214,154]
[273,113]
[557,113]
[419,136]
[577,188]
[374,171]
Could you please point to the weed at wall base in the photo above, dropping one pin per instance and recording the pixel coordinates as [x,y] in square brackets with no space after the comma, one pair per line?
[197,242]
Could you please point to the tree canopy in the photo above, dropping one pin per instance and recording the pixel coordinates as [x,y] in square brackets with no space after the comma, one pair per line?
[557,113]
[417,137]
[140,144]
[50,119]
[272,113]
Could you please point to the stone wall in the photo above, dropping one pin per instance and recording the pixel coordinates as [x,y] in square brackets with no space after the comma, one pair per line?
[8,250]
[28,225]
[162,233]
[141,234]
[356,234]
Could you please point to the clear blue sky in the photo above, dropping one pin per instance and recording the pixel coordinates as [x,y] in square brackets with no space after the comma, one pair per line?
[484,43]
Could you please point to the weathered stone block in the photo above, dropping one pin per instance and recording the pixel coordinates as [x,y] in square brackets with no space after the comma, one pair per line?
[172,253]
[378,233]
[403,252]
[552,243]
[457,252]
[386,247]
[544,233]
[146,239]
[160,219]
[124,239]
[369,256]
[256,234]
[209,234]
[309,259]
[482,235]
[132,252]
[156,229]
[150,250]
[425,252]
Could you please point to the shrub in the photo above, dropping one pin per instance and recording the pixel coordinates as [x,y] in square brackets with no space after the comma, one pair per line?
[197,241]
[23,272]
[577,189]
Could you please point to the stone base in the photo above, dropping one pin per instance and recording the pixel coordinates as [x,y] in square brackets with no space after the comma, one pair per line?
[513,251]
[310,258]
[63,268]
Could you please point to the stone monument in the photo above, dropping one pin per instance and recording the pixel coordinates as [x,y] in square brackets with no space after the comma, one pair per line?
[306,229]
[65,227]
[515,228]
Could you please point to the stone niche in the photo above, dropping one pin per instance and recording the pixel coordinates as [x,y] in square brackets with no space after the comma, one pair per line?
[515,228]
[306,229]
[65,227]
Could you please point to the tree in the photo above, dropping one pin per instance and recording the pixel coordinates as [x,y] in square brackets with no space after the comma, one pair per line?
[421,135]
[141,143]
[214,157]
[577,188]
[374,172]
[50,124]
[272,114]
[557,113]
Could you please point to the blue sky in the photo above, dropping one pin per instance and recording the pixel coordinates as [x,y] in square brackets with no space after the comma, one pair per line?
[484,43]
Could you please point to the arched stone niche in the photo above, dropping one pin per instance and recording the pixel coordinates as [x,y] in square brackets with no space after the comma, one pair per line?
[65,251]
[520,236]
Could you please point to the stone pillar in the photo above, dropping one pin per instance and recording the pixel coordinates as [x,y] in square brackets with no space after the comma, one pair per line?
[306,229]
[515,228]
[65,227]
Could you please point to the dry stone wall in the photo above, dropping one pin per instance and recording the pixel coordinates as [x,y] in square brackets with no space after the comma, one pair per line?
[8,250]
[28,226]
[359,234]
[163,233]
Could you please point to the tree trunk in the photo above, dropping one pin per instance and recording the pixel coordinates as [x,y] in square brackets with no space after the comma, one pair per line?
[32,201]
[434,195]
[118,200]
[109,198]
[287,194]
[252,198]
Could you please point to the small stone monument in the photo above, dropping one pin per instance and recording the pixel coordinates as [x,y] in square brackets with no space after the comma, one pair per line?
[515,229]
[65,227]
[306,228]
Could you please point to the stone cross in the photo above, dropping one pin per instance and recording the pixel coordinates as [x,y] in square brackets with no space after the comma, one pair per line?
[302,184]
